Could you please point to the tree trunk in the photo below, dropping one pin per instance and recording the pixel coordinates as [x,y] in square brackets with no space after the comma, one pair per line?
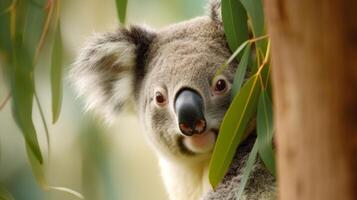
[314,75]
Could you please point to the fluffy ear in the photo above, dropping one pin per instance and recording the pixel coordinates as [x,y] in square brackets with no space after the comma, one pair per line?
[214,8]
[109,68]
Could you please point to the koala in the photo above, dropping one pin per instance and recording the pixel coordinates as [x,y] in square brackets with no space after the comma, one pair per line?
[169,75]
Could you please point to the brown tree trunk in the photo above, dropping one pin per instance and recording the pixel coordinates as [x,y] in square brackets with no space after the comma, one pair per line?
[314,56]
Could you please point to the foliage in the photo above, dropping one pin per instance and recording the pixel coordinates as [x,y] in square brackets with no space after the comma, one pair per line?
[251,99]
[234,23]
[26,25]
[121,9]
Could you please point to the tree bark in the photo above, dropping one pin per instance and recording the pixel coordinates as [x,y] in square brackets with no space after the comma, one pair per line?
[314,76]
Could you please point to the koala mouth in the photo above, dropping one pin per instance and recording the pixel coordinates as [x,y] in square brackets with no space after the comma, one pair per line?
[198,143]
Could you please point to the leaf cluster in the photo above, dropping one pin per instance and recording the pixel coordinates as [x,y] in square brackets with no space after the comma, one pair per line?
[250,93]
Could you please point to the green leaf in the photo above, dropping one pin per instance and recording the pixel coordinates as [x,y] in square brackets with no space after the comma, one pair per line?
[5,38]
[232,129]
[121,9]
[33,25]
[43,120]
[235,24]
[247,169]
[241,71]
[36,167]
[265,131]
[22,90]
[256,14]
[56,74]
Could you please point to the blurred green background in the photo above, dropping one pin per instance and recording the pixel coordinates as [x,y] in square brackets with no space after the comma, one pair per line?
[99,162]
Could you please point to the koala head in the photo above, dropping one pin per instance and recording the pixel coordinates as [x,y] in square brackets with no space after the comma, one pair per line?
[170,75]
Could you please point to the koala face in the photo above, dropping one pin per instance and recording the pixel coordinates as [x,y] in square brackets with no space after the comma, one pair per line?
[182,101]
[169,74]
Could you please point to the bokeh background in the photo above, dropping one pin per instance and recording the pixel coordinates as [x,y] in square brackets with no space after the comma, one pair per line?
[100,162]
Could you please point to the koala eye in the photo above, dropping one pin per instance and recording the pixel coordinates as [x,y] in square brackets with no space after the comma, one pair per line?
[160,97]
[220,85]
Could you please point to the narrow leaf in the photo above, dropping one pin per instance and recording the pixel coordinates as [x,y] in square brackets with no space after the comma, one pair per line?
[5,38]
[121,9]
[56,74]
[265,131]
[232,129]
[247,170]
[43,121]
[241,71]
[235,24]
[33,25]
[256,14]
[36,167]
[22,90]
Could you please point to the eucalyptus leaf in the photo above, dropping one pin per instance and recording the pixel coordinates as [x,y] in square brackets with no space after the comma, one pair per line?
[233,128]
[256,14]
[241,71]
[235,24]
[22,90]
[37,167]
[56,74]
[5,38]
[265,131]
[247,170]
[33,27]
[19,15]
[22,27]
[121,9]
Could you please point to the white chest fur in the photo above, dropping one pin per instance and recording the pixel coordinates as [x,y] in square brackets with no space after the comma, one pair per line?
[185,181]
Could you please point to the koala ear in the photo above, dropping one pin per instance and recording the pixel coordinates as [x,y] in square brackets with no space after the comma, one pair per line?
[215,11]
[109,68]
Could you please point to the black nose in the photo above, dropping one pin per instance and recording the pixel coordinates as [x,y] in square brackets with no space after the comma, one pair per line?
[188,107]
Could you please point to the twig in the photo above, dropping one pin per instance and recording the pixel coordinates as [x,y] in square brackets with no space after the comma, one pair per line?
[4,102]
[236,52]
[266,57]
[258,38]
[50,6]
[265,61]
[266,83]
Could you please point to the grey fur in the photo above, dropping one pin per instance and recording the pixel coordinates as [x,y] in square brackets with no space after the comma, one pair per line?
[261,185]
[215,11]
[178,55]
[130,65]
